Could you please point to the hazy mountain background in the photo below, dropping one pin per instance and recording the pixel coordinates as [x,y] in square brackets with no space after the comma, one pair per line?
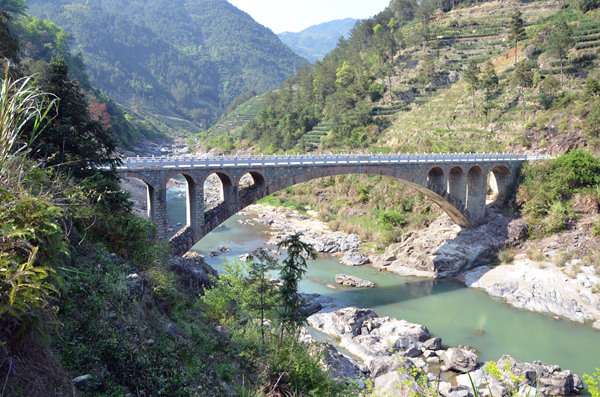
[177,62]
[314,42]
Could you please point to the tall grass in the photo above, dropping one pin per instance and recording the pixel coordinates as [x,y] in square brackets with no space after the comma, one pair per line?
[22,108]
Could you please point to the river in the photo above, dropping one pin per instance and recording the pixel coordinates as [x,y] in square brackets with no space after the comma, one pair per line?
[457,314]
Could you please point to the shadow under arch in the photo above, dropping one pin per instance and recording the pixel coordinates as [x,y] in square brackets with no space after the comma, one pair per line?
[227,185]
[500,179]
[150,193]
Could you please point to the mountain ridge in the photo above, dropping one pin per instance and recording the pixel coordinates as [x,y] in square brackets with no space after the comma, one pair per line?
[314,42]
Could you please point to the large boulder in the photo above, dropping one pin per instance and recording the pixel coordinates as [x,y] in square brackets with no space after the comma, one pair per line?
[535,378]
[337,242]
[549,379]
[355,258]
[197,274]
[339,366]
[460,360]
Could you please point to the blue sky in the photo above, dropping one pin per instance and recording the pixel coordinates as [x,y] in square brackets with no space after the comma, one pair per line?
[296,15]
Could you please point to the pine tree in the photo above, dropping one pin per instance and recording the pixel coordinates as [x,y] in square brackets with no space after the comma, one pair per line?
[294,267]
[9,45]
[522,79]
[258,275]
[472,77]
[560,42]
[516,30]
[74,143]
[489,84]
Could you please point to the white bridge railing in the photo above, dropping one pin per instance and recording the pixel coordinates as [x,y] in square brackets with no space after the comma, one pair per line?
[191,161]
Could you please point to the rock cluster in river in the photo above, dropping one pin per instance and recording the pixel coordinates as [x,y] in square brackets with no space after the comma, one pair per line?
[353,281]
[393,351]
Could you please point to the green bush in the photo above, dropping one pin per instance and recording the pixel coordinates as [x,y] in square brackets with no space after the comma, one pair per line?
[375,91]
[588,5]
[390,220]
[593,382]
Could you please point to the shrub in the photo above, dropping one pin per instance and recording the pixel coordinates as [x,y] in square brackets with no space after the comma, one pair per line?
[391,219]
[592,382]
[588,5]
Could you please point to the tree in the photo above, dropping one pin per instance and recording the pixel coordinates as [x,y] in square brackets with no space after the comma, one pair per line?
[258,275]
[560,42]
[516,30]
[13,7]
[427,70]
[425,15]
[344,75]
[294,267]
[9,45]
[74,142]
[472,77]
[404,9]
[522,79]
[489,84]
[588,5]
[549,89]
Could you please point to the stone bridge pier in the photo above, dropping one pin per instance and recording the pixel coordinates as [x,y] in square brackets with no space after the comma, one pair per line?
[459,184]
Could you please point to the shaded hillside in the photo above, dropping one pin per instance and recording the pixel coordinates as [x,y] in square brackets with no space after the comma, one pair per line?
[315,42]
[180,59]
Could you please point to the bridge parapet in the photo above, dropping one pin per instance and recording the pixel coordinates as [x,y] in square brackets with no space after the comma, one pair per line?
[456,182]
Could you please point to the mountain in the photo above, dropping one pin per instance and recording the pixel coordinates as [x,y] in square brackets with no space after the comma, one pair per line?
[315,42]
[182,60]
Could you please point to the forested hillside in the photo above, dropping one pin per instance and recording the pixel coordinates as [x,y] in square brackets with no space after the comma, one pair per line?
[37,42]
[314,42]
[183,60]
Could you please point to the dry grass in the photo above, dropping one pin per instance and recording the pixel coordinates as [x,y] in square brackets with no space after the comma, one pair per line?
[444,120]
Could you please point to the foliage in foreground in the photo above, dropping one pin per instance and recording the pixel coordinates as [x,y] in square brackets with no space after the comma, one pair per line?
[593,383]
[278,362]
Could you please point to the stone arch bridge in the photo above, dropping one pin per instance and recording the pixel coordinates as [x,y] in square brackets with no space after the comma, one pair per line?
[458,183]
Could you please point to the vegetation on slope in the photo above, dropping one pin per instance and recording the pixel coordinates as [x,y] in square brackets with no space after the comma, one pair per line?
[78,319]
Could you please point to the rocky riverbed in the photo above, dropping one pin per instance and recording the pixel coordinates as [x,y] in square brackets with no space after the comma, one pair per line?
[400,357]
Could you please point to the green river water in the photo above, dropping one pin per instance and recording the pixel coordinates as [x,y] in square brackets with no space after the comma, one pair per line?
[451,311]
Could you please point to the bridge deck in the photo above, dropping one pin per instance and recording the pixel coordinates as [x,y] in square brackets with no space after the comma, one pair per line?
[191,161]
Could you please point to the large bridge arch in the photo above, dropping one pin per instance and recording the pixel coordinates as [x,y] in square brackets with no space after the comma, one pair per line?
[500,179]
[445,201]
